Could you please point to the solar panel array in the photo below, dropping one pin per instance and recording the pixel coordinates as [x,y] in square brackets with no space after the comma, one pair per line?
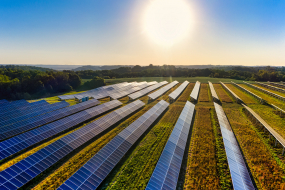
[166,172]
[25,170]
[162,90]
[90,175]
[195,92]
[213,92]
[232,93]
[101,91]
[261,100]
[239,172]
[174,95]
[146,90]
[277,84]
[278,137]
[26,114]
[22,110]
[3,101]
[25,140]
[266,91]
[24,125]
[271,87]
[128,91]
[13,105]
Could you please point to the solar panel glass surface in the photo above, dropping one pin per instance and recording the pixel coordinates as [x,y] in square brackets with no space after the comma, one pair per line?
[100,165]
[195,92]
[38,162]
[178,90]
[162,90]
[166,172]
[239,172]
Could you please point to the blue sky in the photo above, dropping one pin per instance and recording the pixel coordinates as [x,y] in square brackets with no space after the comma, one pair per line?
[110,32]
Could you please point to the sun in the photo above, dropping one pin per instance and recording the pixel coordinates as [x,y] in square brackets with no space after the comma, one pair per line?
[167,21]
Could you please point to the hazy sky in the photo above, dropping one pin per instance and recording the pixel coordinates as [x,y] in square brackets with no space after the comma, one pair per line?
[111,32]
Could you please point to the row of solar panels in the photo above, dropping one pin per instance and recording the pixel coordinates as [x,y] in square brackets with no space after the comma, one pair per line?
[271,87]
[266,91]
[277,84]
[91,93]
[100,165]
[166,172]
[195,92]
[5,121]
[146,90]
[174,95]
[162,90]
[213,92]
[261,100]
[114,91]
[25,170]
[232,93]
[27,139]
[239,172]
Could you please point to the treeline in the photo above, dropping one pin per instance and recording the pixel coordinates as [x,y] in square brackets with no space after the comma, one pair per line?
[241,73]
[18,83]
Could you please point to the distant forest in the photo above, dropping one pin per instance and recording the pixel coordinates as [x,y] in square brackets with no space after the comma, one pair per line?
[239,73]
[28,82]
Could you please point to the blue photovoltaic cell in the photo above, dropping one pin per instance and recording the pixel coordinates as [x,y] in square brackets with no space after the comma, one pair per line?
[178,90]
[22,141]
[38,162]
[239,173]
[99,166]
[162,90]
[195,92]
[17,127]
[166,172]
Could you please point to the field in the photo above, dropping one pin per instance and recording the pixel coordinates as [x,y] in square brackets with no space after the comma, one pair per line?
[223,95]
[202,171]
[271,90]
[170,79]
[203,96]
[266,172]
[204,164]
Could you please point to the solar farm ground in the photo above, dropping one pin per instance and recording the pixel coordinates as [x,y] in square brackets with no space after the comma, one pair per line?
[204,164]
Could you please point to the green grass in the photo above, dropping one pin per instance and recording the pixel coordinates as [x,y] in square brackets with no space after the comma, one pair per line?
[170,79]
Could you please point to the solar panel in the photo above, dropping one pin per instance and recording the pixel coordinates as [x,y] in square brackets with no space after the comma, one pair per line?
[195,92]
[213,92]
[239,172]
[91,93]
[267,92]
[32,113]
[162,90]
[123,93]
[146,90]
[262,101]
[271,87]
[277,84]
[3,102]
[99,166]
[238,99]
[174,95]
[25,170]
[13,105]
[25,140]
[166,172]
[23,110]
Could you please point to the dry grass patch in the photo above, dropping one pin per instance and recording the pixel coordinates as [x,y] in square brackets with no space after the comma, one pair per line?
[224,97]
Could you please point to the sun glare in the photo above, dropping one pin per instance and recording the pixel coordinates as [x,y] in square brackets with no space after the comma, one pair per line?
[167,21]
